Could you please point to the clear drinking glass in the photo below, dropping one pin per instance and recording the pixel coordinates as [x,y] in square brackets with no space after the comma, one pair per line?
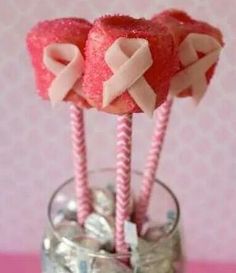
[160,252]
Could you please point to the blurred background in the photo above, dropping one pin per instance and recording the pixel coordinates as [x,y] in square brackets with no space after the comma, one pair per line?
[198,160]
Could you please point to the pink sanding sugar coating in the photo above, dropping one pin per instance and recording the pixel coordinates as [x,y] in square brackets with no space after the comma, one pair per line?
[180,24]
[104,32]
[65,30]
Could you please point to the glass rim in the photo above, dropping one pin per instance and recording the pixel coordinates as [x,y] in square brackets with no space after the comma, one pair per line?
[112,255]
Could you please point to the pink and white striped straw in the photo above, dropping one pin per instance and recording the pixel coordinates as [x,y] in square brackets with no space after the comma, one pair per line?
[123,176]
[80,163]
[152,163]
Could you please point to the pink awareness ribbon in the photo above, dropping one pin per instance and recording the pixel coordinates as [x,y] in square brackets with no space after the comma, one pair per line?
[193,75]
[68,76]
[129,59]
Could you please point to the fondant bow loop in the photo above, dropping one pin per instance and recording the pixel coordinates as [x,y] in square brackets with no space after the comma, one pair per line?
[194,73]
[129,59]
[66,62]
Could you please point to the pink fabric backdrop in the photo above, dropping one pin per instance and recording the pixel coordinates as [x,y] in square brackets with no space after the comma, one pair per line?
[198,159]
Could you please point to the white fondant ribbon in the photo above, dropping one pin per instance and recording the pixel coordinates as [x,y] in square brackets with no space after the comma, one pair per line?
[193,75]
[66,62]
[129,59]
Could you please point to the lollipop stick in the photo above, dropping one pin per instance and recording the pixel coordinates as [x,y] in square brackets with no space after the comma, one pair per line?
[80,163]
[123,167]
[152,162]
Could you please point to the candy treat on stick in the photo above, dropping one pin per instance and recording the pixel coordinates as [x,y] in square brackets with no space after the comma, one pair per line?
[56,49]
[199,45]
[129,65]
[55,36]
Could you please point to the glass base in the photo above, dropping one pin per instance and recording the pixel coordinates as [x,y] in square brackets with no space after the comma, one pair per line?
[59,256]
[70,248]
